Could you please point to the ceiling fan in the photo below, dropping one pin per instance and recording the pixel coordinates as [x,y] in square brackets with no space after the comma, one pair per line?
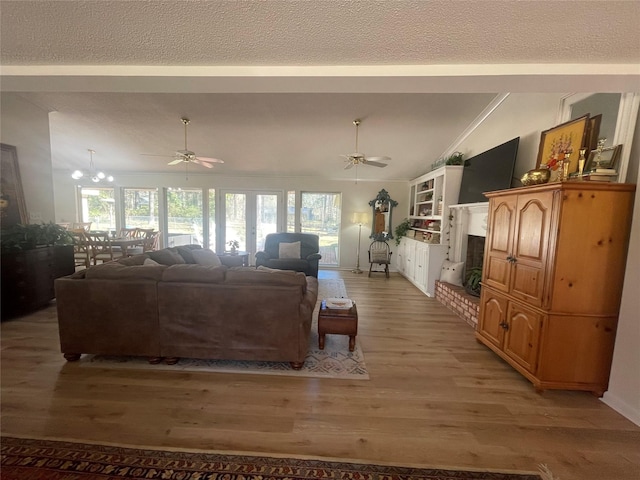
[186,155]
[360,158]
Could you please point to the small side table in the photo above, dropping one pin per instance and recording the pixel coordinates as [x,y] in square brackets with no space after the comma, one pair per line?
[337,321]
[238,259]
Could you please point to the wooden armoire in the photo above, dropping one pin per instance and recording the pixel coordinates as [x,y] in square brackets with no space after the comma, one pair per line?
[552,278]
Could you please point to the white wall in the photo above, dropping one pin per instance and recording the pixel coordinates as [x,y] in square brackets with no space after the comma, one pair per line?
[355,198]
[624,384]
[523,115]
[26,126]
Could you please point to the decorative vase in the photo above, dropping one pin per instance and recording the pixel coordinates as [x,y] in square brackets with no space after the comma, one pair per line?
[537,176]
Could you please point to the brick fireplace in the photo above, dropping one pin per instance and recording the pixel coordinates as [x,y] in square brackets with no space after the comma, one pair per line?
[456,299]
[469,229]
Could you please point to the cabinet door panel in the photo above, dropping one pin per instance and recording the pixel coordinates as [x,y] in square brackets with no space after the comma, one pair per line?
[493,313]
[497,269]
[533,224]
[522,340]
[420,267]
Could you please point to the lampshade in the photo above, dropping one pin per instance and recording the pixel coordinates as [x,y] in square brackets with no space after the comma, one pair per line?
[360,218]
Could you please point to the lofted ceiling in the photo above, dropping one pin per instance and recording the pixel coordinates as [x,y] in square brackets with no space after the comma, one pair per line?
[272,87]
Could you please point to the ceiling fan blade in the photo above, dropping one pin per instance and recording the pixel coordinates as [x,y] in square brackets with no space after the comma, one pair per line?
[210,160]
[379,159]
[374,164]
[176,161]
[348,166]
[204,164]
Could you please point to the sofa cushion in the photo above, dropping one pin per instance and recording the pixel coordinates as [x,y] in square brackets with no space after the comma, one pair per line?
[134,260]
[249,275]
[150,261]
[191,273]
[116,271]
[185,252]
[206,257]
[166,256]
[289,250]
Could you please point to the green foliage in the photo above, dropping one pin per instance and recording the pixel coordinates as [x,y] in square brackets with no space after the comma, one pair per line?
[29,236]
[401,230]
[234,244]
[455,159]
[474,276]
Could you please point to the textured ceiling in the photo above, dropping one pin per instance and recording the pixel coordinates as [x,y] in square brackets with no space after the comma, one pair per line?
[319,32]
[125,110]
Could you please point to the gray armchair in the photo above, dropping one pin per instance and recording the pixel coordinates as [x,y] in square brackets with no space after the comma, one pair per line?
[308,256]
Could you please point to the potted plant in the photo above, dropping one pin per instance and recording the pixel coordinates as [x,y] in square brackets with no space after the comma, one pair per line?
[34,235]
[234,245]
[472,283]
[402,229]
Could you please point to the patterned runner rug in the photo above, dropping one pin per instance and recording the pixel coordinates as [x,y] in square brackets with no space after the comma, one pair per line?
[27,459]
[335,361]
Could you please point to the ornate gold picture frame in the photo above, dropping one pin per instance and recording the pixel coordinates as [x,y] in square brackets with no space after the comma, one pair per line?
[557,141]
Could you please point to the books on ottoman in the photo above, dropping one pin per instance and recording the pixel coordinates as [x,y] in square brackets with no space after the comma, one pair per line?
[338,303]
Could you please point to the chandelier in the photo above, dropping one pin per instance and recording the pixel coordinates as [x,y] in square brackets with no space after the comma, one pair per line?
[96,176]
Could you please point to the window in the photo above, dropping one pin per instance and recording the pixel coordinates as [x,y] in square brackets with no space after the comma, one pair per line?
[291,211]
[212,219]
[184,216]
[320,214]
[98,207]
[141,208]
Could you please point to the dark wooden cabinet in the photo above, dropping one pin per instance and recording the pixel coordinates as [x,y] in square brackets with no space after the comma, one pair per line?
[27,277]
[554,265]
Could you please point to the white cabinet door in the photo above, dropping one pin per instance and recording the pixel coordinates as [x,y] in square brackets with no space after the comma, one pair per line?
[400,256]
[410,262]
[420,265]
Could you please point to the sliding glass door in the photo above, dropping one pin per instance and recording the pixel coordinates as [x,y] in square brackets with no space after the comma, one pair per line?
[248,217]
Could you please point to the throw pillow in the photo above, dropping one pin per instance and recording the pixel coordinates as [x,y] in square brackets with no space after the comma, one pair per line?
[289,250]
[148,261]
[166,256]
[206,256]
[452,272]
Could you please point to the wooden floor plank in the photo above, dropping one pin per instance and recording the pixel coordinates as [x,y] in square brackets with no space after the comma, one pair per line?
[435,398]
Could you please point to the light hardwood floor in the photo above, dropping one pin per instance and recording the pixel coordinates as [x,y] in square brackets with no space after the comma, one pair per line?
[435,398]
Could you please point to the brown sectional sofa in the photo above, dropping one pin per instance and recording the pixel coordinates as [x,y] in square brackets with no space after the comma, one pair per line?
[186,310]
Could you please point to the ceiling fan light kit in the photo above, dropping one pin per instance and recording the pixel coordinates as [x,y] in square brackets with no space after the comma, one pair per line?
[186,155]
[358,158]
[96,176]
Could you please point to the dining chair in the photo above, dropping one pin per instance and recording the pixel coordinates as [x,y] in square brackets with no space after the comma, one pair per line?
[101,248]
[81,248]
[128,232]
[65,225]
[86,226]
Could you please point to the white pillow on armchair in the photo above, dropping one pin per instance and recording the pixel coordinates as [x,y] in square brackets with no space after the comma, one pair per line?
[289,250]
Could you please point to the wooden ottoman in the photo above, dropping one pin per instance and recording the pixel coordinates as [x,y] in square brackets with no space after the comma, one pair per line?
[338,321]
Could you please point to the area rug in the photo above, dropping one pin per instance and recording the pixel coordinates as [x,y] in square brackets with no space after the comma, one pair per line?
[335,361]
[28,459]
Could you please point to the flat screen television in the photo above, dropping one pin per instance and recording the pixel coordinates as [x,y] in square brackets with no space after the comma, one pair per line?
[488,171]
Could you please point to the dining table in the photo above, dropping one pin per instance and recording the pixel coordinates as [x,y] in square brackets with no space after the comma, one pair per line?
[124,243]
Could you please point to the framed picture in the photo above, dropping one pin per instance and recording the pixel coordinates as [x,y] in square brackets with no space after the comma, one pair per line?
[607,158]
[593,130]
[555,142]
[13,209]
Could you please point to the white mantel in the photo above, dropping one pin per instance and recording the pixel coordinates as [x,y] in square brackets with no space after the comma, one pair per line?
[468,219]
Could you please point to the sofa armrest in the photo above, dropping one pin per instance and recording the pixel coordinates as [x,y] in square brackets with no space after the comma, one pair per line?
[262,256]
[314,256]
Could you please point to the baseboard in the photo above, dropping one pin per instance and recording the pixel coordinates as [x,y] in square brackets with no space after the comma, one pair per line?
[622,407]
